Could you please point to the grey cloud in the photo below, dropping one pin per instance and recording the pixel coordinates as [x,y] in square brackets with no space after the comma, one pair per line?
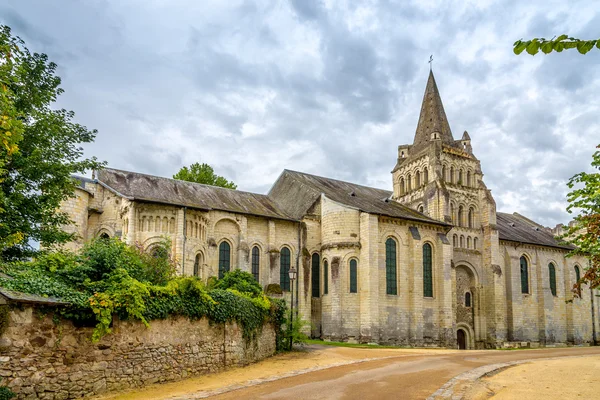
[253,87]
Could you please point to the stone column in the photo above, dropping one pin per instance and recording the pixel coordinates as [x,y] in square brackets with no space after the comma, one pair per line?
[371,267]
[131,224]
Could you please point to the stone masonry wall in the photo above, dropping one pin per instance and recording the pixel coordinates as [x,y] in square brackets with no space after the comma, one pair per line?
[43,360]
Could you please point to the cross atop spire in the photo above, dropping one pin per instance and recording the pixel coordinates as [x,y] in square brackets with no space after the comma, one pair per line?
[432,120]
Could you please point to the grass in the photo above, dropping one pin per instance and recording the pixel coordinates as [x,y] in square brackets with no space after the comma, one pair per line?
[353,345]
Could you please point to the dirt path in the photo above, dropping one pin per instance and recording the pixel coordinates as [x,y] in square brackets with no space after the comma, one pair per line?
[345,373]
[309,358]
[566,378]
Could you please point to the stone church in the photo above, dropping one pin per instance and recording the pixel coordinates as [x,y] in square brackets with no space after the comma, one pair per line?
[430,263]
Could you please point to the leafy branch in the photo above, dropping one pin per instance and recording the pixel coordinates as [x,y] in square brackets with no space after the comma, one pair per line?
[558,44]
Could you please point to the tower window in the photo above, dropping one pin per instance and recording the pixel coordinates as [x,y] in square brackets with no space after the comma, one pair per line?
[468,299]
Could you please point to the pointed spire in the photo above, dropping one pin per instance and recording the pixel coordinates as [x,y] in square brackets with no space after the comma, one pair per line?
[433,117]
[466,136]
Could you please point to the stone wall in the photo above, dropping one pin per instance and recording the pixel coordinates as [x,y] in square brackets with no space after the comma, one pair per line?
[45,360]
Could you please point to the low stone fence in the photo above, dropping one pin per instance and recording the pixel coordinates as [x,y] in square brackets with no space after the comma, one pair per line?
[47,359]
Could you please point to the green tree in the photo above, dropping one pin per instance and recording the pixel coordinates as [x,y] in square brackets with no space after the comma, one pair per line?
[38,175]
[585,232]
[203,173]
[11,125]
[563,42]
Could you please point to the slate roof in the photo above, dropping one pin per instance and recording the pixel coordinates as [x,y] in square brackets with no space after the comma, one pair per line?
[19,297]
[517,228]
[432,118]
[142,187]
[296,192]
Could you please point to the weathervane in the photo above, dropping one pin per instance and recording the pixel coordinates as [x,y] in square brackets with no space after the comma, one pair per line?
[430,61]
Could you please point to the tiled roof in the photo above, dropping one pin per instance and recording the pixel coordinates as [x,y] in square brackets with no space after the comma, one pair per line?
[156,189]
[296,192]
[517,228]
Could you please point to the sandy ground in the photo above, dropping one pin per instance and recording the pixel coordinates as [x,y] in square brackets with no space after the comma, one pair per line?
[307,359]
[566,378]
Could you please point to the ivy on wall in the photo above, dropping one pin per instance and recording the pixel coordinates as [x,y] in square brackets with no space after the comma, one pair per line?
[108,278]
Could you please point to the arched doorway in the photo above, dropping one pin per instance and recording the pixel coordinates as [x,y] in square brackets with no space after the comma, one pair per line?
[466,307]
[461,338]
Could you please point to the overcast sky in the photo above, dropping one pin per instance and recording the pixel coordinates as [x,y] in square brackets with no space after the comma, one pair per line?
[326,87]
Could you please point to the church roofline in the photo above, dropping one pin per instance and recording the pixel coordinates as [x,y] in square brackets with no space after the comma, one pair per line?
[155,189]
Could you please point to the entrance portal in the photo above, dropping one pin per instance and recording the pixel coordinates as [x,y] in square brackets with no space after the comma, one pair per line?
[461,338]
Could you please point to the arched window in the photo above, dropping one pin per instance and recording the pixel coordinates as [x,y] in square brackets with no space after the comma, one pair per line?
[475,243]
[468,299]
[198,264]
[421,209]
[427,271]
[524,275]
[418,180]
[444,173]
[469,183]
[390,267]
[353,276]
[468,242]
[471,218]
[402,186]
[284,269]
[425,176]
[255,262]
[460,177]
[455,240]
[224,258]
[408,182]
[104,236]
[461,213]
[552,275]
[316,276]
[452,174]
[462,241]
[325,277]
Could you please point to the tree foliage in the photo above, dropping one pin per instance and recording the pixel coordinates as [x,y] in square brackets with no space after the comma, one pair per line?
[563,42]
[11,124]
[241,281]
[41,151]
[584,234]
[203,173]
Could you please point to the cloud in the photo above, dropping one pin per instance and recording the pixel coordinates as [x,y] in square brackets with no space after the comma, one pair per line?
[327,87]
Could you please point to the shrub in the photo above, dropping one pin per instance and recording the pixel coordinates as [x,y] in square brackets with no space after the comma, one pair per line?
[273,288]
[241,281]
[295,330]
[6,393]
